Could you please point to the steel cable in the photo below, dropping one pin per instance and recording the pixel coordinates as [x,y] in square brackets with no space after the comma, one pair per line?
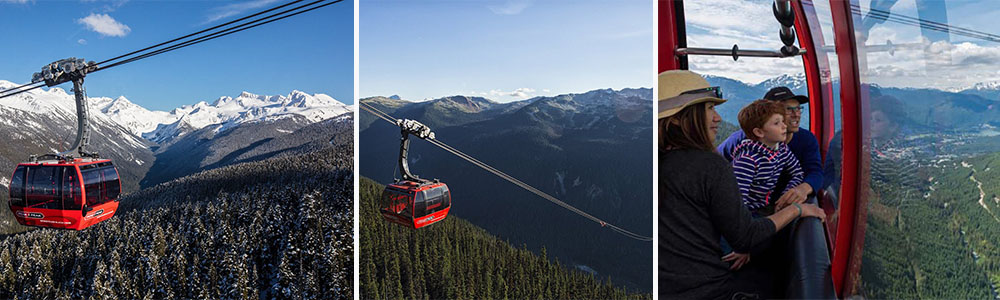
[224,32]
[388,118]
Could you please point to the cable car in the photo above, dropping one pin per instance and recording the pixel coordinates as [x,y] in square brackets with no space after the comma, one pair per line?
[73,189]
[412,201]
[414,204]
[71,194]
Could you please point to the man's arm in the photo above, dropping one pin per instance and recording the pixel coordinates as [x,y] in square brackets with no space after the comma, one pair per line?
[809,158]
[727,146]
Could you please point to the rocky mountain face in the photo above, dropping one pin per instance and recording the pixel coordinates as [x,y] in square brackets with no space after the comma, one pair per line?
[592,150]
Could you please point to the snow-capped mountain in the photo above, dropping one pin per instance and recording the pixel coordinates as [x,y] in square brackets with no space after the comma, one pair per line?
[981,86]
[796,82]
[246,107]
[135,118]
[161,126]
[989,90]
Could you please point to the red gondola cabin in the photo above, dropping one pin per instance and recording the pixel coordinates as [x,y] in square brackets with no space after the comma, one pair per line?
[415,205]
[64,194]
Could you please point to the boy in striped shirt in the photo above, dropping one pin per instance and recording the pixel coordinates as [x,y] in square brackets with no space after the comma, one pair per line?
[763,156]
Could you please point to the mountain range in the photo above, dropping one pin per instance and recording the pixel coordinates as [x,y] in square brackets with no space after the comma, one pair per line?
[151,147]
[923,109]
[592,150]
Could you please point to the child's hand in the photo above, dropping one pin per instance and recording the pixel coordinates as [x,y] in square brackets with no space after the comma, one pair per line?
[738,259]
[793,195]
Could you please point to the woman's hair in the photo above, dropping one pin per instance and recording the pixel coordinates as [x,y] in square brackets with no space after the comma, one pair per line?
[687,129]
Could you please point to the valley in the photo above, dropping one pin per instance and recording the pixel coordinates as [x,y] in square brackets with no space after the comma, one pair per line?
[588,149]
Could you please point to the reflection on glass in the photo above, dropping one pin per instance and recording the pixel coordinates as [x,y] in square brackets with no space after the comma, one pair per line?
[932,207]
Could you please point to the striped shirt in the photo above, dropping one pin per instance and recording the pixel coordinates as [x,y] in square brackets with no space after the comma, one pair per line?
[757,169]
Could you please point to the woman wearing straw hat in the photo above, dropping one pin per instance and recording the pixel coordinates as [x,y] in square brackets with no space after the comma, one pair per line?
[698,196]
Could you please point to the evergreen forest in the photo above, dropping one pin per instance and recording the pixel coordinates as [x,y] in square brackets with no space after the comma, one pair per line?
[453,259]
[277,228]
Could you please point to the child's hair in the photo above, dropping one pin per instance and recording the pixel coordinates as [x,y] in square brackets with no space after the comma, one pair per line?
[756,114]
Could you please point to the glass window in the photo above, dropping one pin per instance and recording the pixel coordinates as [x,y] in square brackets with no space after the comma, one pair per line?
[436,199]
[748,78]
[111,184]
[17,187]
[72,194]
[92,185]
[43,187]
[395,201]
[419,204]
[931,206]
[820,21]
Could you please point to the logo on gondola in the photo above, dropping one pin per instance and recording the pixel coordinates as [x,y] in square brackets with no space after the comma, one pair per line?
[427,219]
[97,213]
[31,215]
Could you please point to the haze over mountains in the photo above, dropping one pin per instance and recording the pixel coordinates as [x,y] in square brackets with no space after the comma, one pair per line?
[592,150]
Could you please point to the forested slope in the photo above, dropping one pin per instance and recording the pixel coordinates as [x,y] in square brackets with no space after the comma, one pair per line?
[277,228]
[454,259]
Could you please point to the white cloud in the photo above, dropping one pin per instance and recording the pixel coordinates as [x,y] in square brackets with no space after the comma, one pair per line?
[17,1]
[230,10]
[81,41]
[516,93]
[105,25]
[745,16]
[521,92]
[510,7]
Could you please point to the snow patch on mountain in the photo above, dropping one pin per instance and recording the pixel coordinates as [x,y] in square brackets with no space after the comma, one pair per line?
[158,126]
[247,107]
[984,86]
[795,82]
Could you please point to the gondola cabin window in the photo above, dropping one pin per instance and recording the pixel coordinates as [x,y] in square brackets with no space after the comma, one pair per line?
[17,187]
[101,183]
[72,194]
[43,188]
[395,202]
[436,199]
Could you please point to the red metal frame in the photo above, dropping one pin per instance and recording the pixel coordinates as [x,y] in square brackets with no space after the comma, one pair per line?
[853,204]
[410,189]
[66,218]
[667,40]
[820,102]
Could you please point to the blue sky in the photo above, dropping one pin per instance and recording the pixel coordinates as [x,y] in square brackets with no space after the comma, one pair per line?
[504,50]
[311,52]
[952,64]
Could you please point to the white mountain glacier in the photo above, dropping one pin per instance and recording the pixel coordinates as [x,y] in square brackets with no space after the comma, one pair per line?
[160,126]
[985,86]
[795,82]
[135,118]
[246,107]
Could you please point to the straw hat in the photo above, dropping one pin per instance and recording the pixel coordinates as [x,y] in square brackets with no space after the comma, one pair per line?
[672,87]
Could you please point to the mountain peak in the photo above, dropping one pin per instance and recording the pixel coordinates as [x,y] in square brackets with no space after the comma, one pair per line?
[246,94]
[986,85]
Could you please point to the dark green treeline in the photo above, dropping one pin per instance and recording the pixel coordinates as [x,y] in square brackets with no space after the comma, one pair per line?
[454,259]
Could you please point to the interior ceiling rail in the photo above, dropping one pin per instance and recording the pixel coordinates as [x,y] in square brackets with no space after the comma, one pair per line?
[735,52]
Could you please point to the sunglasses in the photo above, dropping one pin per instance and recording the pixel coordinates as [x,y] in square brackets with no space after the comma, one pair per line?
[712,91]
[794,108]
